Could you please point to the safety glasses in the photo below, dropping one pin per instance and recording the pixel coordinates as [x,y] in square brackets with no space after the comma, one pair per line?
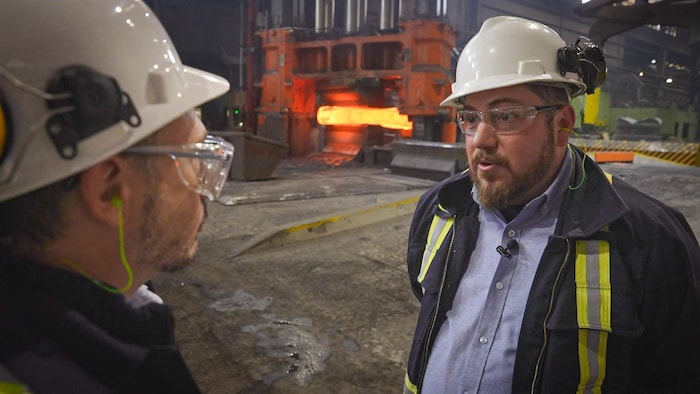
[203,166]
[503,121]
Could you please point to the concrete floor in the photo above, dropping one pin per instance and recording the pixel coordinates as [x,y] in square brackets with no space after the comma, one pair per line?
[332,314]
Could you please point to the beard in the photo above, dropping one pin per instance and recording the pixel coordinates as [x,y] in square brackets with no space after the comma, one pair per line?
[160,246]
[499,195]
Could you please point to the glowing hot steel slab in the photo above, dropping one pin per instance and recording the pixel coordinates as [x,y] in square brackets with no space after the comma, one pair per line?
[390,118]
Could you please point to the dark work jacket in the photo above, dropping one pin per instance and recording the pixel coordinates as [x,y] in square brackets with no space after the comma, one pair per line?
[60,333]
[654,343]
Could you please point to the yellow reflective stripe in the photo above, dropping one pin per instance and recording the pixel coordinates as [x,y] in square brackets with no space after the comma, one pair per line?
[583,360]
[13,388]
[601,354]
[593,312]
[439,228]
[608,175]
[592,346]
[408,387]
[581,290]
[593,289]
[9,384]
[605,286]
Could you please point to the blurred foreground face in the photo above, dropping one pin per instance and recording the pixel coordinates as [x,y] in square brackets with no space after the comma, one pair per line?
[172,213]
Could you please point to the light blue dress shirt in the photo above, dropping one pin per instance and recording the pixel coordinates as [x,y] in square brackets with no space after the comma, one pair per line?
[474,351]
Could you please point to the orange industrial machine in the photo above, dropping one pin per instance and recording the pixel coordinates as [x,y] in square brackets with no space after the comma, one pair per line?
[342,94]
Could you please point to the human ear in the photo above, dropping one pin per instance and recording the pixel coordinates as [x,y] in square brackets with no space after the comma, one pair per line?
[564,122]
[104,188]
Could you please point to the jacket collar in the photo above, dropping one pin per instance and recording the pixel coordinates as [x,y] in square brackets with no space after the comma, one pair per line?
[592,205]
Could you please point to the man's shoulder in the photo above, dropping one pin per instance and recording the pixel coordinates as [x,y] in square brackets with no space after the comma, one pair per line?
[446,198]
[643,206]
[454,187]
[653,221]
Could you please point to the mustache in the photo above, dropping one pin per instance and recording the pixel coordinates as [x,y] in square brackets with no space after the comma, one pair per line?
[482,156]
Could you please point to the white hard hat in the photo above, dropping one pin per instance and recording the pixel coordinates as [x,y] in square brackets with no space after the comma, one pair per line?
[81,80]
[511,51]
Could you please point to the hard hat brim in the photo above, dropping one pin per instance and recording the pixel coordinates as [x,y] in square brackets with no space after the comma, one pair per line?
[503,81]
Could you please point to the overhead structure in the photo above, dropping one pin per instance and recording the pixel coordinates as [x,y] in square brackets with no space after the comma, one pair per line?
[614,17]
[672,76]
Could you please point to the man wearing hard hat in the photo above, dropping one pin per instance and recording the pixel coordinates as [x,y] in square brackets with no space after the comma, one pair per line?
[538,272]
[104,168]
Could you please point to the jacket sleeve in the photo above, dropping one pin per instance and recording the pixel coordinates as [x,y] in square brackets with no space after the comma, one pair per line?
[669,348]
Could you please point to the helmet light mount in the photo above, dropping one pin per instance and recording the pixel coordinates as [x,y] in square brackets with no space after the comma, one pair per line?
[94,103]
[585,59]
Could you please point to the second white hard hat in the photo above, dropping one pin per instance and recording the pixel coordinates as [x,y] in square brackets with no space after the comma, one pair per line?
[509,51]
[81,80]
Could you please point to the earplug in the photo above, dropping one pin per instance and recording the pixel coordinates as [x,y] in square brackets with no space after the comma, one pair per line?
[116,200]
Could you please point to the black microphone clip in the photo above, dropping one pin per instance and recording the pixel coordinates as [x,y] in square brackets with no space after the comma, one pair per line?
[511,249]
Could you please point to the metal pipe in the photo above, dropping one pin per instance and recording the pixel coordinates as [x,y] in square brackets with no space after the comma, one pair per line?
[387,15]
[351,16]
[298,16]
[382,15]
[362,15]
[331,15]
[241,43]
[422,8]
[250,96]
[325,15]
[321,21]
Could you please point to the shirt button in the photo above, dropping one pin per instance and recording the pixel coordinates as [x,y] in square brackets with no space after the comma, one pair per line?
[499,285]
[483,339]
[511,233]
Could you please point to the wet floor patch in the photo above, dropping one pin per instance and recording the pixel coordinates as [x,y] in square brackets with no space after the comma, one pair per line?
[240,300]
[296,351]
[299,353]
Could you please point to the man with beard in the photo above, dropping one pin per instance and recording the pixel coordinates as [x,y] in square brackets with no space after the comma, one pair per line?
[537,272]
[104,168]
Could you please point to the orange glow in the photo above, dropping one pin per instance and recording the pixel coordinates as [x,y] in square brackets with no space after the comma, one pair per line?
[390,118]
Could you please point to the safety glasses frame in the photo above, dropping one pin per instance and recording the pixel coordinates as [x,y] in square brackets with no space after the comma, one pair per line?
[210,177]
[502,121]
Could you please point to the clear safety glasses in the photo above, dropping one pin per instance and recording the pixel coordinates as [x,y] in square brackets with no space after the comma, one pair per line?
[202,166]
[503,121]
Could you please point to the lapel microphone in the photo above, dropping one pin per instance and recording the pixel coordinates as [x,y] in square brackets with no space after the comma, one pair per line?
[511,249]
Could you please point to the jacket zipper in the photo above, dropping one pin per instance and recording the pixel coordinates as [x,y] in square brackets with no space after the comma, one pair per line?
[546,318]
[437,308]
